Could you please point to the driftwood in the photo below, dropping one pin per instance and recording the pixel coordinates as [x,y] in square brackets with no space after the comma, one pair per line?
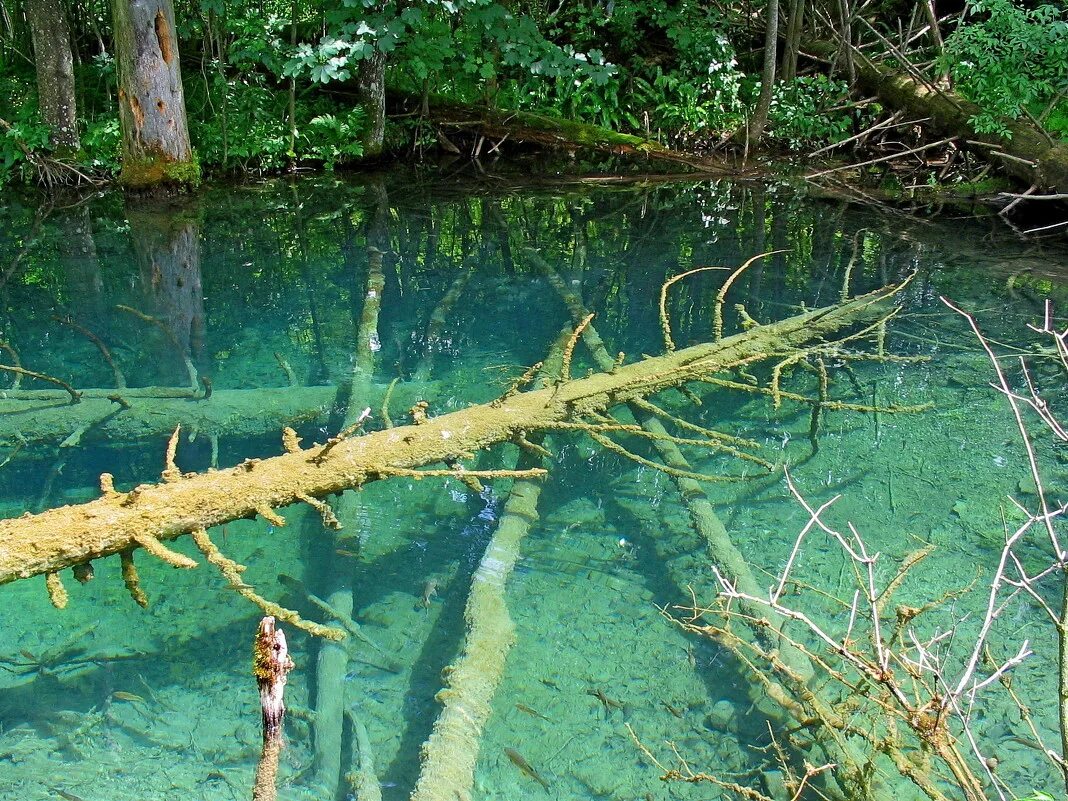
[150,514]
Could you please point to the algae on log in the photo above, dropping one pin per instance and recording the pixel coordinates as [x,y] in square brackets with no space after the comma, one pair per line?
[67,536]
[155,137]
[1028,155]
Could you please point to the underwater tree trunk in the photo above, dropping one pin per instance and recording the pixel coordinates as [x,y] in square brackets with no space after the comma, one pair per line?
[55,72]
[184,504]
[155,137]
[333,659]
[81,267]
[166,239]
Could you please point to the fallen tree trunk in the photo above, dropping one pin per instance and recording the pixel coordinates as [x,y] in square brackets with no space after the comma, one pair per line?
[1027,155]
[47,416]
[188,504]
[554,132]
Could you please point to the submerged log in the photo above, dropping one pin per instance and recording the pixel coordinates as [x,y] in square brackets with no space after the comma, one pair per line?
[48,416]
[152,513]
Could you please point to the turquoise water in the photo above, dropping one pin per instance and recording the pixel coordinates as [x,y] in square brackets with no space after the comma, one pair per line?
[104,700]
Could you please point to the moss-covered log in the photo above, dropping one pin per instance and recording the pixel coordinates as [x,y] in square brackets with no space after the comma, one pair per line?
[1028,155]
[151,513]
[554,132]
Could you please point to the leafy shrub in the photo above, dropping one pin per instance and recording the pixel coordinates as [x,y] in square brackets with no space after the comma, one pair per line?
[808,110]
[333,139]
[1005,57]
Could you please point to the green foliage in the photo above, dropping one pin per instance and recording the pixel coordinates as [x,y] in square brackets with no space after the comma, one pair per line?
[809,110]
[1006,57]
[23,136]
[102,146]
[333,139]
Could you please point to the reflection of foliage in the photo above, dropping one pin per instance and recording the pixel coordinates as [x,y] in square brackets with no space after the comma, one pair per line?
[1007,57]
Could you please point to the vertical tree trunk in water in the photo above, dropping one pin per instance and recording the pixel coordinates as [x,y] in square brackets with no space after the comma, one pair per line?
[81,268]
[759,120]
[155,137]
[166,240]
[55,71]
[373,92]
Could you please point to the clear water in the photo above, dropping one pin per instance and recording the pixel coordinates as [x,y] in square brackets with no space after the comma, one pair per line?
[107,701]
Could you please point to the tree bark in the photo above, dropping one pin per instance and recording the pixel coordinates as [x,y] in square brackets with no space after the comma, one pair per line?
[373,92]
[55,72]
[155,138]
[759,121]
[184,504]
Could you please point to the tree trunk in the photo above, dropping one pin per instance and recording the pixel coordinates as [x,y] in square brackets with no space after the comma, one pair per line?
[155,139]
[186,504]
[166,240]
[55,72]
[758,122]
[81,268]
[793,39]
[1028,155]
[373,92]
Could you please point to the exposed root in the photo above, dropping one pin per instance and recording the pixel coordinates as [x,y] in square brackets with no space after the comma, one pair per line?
[169,334]
[290,440]
[665,321]
[163,553]
[615,447]
[170,469]
[519,383]
[120,379]
[271,516]
[387,421]
[342,435]
[57,593]
[323,508]
[10,351]
[291,377]
[717,314]
[569,348]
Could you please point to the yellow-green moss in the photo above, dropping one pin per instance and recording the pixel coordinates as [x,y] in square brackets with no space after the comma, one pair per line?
[158,171]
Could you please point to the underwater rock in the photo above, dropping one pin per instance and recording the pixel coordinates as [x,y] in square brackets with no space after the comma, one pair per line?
[723,717]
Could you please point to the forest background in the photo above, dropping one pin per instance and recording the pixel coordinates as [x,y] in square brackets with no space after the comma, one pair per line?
[270,86]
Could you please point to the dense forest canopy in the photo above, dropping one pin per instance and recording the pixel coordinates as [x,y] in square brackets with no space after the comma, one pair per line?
[272,85]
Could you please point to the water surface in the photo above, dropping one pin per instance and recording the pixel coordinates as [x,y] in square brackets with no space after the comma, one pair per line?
[262,286]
